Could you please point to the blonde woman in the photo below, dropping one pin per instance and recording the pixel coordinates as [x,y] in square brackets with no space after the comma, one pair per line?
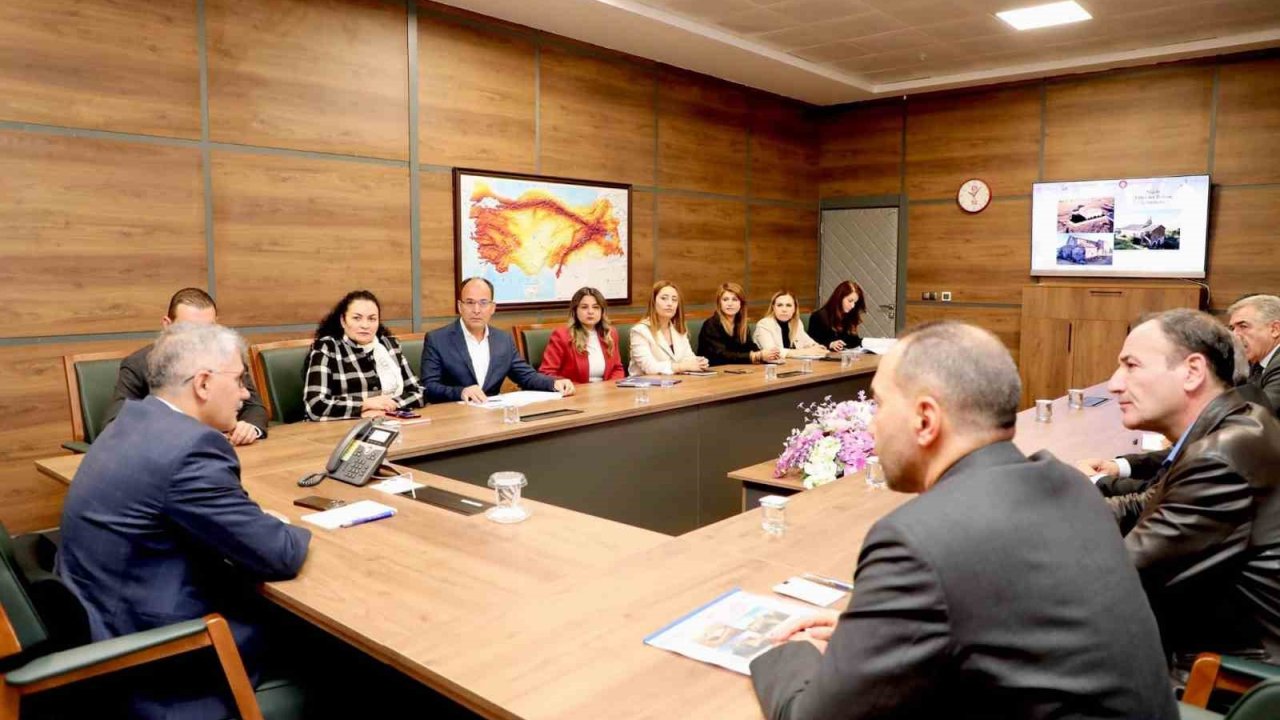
[782,330]
[660,341]
[723,339]
[585,350]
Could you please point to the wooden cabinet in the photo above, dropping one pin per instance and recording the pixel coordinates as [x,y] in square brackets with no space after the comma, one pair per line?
[1071,334]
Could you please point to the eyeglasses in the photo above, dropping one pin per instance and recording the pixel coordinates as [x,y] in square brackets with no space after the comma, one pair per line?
[473,304]
[238,373]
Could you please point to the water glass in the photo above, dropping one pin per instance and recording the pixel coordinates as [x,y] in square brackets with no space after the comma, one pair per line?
[510,414]
[770,371]
[506,487]
[874,474]
[806,366]
[1075,399]
[642,396]
[846,359]
[1044,411]
[773,516]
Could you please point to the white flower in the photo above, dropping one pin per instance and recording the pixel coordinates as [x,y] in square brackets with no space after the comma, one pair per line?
[825,450]
[819,473]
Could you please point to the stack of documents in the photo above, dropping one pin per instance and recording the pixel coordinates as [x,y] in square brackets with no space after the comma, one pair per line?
[348,515]
[519,398]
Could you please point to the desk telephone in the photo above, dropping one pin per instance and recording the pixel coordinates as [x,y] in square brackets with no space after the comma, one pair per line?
[359,455]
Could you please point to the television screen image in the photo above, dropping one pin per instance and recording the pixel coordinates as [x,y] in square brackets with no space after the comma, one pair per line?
[1130,227]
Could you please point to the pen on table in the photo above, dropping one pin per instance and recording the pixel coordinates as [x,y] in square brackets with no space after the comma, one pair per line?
[363,520]
[829,582]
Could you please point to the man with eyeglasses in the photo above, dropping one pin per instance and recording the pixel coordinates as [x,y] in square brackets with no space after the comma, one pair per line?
[157,529]
[188,305]
[468,360]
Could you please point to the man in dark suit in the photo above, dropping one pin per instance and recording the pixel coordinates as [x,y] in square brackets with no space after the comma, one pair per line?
[1003,590]
[468,360]
[188,305]
[1205,535]
[156,527]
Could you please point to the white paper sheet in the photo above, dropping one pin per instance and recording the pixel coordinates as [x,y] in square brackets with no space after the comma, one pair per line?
[348,515]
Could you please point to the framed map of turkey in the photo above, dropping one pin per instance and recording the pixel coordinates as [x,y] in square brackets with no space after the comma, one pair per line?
[539,239]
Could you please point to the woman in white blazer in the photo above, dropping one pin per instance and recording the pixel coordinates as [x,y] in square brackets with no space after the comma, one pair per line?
[660,341]
[782,329]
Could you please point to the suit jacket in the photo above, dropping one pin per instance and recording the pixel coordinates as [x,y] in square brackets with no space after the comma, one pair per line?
[1205,536]
[650,356]
[157,529]
[821,331]
[562,360]
[131,384]
[721,348]
[446,365]
[1269,382]
[1002,592]
[768,334]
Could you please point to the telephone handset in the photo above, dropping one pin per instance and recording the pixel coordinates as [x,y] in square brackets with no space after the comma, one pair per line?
[359,455]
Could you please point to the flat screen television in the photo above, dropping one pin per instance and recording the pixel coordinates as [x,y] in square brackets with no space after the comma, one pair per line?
[1129,227]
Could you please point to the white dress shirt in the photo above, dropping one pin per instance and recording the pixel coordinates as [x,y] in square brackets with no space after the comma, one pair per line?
[389,376]
[479,352]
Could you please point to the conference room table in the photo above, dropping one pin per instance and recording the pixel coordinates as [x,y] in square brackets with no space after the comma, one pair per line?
[546,618]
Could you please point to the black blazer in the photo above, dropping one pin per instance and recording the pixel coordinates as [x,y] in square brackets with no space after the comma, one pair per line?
[821,330]
[1205,536]
[721,348]
[131,384]
[1002,592]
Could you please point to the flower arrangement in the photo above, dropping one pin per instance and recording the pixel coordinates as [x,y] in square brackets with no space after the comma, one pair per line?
[836,439]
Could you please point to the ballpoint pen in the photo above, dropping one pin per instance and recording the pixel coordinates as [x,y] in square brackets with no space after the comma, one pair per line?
[829,582]
[363,520]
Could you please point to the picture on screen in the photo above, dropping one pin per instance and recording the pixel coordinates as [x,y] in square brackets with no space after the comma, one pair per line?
[1128,227]
[1085,249]
[1091,215]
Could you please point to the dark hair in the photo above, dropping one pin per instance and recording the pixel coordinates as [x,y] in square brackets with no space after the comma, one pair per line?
[844,322]
[737,327]
[967,368]
[476,277]
[1192,332]
[331,324]
[191,297]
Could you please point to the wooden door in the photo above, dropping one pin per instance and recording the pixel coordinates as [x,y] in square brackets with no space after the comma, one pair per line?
[1045,355]
[1095,346]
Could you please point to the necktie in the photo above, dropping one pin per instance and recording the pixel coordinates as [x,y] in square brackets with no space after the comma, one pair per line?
[1255,374]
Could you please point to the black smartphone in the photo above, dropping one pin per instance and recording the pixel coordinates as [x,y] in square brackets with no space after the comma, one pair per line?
[315,502]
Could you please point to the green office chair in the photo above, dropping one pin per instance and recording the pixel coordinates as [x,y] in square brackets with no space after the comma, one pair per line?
[1261,702]
[624,343]
[278,369]
[91,382]
[535,340]
[412,350]
[694,328]
[29,667]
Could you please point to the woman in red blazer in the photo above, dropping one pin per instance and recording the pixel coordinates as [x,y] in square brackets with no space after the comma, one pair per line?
[587,349]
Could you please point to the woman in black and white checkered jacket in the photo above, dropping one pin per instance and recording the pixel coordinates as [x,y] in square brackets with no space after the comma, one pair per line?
[355,367]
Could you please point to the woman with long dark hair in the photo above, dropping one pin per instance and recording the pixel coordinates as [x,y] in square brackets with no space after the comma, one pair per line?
[355,367]
[835,324]
[585,350]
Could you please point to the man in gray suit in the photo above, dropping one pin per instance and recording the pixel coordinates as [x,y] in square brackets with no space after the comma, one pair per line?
[1003,590]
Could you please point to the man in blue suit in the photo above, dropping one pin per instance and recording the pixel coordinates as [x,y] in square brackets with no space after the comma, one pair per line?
[468,360]
[156,527]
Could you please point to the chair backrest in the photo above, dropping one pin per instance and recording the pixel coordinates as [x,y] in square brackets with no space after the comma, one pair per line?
[412,349]
[278,370]
[91,381]
[624,341]
[694,328]
[20,626]
[532,340]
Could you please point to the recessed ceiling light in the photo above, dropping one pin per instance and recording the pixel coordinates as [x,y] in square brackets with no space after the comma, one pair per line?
[1058,13]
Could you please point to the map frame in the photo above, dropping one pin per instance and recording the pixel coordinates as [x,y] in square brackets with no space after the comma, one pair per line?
[546,183]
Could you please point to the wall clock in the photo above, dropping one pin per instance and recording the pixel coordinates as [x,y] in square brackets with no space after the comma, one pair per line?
[974,195]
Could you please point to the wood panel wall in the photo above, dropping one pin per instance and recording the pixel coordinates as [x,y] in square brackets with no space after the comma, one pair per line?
[1219,116]
[289,181]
